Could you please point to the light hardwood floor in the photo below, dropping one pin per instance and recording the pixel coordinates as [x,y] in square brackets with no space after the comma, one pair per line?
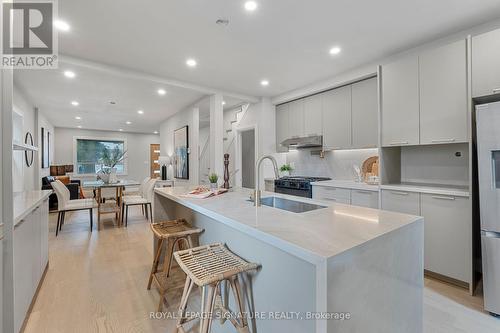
[96,282]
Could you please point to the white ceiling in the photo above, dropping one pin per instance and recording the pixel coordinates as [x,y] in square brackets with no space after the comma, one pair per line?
[94,89]
[285,41]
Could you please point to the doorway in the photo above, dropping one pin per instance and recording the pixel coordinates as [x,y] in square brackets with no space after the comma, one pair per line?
[248,158]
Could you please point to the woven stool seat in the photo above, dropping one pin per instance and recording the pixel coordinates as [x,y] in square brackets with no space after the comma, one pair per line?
[175,233]
[175,228]
[211,263]
[208,266]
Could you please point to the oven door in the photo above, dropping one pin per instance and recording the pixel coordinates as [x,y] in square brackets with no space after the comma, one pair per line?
[293,191]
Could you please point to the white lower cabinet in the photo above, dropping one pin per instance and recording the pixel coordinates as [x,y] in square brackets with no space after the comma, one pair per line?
[23,269]
[327,193]
[364,198]
[1,282]
[401,202]
[30,259]
[447,235]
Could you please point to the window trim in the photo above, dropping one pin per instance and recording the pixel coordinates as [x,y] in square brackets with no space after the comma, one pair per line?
[99,138]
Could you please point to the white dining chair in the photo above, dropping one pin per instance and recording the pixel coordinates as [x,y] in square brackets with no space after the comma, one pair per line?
[144,200]
[64,204]
[140,190]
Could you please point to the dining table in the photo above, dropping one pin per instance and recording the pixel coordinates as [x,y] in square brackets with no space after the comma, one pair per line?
[113,206]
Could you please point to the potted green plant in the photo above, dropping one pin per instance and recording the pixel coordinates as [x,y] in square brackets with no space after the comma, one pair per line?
[286,169]
[109,159]
[213,178]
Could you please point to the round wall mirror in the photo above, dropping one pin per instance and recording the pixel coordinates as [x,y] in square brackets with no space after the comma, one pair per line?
[28,154]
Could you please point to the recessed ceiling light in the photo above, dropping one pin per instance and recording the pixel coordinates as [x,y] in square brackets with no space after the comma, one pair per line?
[162,91]
[264,83]
[335,50]
[250,6]
[79,126]
[69,74]
[140,112]
[61,25]
[128,122]
[121,129]
[191,62]
[155,132]
[223,102]
[78,118]
[75,103]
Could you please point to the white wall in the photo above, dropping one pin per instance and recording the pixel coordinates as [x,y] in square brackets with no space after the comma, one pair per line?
[33,121]
[189,117]
[137,149]
[263,116]
[336,164]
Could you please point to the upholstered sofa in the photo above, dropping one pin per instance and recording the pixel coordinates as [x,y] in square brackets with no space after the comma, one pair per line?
[72,185]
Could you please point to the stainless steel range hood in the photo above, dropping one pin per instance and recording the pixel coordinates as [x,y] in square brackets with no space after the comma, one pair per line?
[312,141]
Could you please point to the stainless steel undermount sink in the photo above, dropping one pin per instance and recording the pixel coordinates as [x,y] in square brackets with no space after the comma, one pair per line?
[289,205]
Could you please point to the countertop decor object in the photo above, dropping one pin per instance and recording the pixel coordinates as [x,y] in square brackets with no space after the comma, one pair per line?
[369,170]
[226,171]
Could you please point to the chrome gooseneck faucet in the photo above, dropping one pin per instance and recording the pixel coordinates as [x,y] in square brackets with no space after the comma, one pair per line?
[257,192]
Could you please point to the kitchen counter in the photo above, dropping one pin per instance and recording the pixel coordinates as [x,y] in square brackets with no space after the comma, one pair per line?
[25,202]
[349,184]
[339,258]
[313,235]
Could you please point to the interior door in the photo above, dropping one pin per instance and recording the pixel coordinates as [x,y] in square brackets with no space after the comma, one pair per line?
[154,153]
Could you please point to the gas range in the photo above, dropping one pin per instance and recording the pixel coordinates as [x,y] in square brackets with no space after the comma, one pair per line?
[296,185]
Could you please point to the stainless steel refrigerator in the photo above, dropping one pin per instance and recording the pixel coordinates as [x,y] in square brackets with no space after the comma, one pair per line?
[488,150]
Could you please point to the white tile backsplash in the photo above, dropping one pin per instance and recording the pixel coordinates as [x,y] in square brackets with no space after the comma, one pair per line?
[336,164]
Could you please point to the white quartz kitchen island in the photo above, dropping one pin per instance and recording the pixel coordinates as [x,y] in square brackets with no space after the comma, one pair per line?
[359,263]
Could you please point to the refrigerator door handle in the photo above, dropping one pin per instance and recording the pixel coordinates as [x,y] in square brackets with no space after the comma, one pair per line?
[490,234]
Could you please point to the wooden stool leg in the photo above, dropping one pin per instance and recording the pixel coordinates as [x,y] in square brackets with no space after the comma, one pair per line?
[235,286]
[167,263]
[184,300]
[156,261]
[207,309]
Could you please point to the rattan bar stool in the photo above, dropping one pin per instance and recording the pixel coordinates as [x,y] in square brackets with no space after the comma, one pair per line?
[177,232]
[207,267]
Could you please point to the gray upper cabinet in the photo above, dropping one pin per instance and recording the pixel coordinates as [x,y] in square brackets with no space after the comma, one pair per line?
[296,118]
[485,64]
[281,126]
[337,118]
[365,114]
[313,115]
[443,94]
[400,103]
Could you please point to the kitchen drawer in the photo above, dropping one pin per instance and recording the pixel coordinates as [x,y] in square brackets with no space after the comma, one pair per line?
[340,195]
[364,198]
[401,202]
[448,236]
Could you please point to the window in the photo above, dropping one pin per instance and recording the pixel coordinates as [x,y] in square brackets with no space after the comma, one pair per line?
[89,153]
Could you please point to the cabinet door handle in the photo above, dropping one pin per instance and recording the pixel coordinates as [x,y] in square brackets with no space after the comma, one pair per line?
[443,140]
[400,193]
[496,90]
[398,143]
[440,197]
[364,192]
[329,199]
